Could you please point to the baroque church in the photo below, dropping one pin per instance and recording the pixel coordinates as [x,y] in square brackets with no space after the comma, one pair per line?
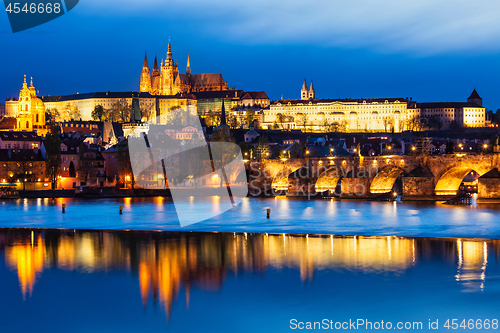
[166,79]
[30,111]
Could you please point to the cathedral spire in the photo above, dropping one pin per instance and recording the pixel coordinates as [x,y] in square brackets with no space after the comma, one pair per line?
[25,85]
[188,67]
[145,60]
[169,52]
[31,84]
[156,71]
[222,115]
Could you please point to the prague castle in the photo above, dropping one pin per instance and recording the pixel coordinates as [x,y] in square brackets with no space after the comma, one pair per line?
[167,80]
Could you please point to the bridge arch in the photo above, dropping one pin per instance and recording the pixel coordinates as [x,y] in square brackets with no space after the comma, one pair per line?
[449,181]
[280,177]
[385,179]
[327,180]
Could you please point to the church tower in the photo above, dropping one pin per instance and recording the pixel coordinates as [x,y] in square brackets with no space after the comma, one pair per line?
[168,73]
[155,78]
[31,110]
[311,91]
[145,76]
[188,67]
[304,92]
[475,98]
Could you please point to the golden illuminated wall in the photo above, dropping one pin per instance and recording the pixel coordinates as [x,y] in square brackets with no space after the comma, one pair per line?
[87,105]
[351,115]
[474,117]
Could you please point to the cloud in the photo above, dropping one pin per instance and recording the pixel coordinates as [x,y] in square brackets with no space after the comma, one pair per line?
[393,26]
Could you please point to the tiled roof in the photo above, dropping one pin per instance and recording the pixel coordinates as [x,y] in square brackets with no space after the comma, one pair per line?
[218,94]
[347,100]
[474,95]
[445,105]
[19,136]
[255,95]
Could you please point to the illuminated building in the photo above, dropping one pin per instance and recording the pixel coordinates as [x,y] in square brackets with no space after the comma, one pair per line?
[468,114]
[371,115]
[29,110]
[167,80]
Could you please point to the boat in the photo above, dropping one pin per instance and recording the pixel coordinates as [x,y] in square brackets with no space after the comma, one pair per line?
[8,191]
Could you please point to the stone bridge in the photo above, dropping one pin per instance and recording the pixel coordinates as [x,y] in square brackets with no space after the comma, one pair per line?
[423,177]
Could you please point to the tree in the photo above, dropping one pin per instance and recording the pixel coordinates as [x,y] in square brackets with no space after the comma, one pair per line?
[212,118]
[232,121]
[70,112]
[280,120]
[434,122]
[249,115]
[53,114]
[335,127]
[388,123]
[121,111]
[303,120]
[450,147]
[72,170]
[53,155]
[98,113]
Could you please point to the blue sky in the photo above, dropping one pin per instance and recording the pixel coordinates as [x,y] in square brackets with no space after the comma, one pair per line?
[435,50]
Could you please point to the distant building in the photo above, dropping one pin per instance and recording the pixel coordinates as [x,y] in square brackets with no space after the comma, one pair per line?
[2,110]
[19,140]
[459,114]
[371,115]
[337,115]
[257,99]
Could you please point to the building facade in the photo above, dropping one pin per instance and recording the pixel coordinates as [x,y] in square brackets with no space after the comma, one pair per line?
[371,115]
[458,114]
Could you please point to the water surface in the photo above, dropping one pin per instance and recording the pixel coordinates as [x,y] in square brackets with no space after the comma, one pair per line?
[425,219]
[124,281]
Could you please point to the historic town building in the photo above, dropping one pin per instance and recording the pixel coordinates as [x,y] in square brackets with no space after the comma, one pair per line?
[459,114]
[166,79]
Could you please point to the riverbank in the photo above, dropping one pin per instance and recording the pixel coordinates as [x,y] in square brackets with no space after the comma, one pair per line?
[94,193]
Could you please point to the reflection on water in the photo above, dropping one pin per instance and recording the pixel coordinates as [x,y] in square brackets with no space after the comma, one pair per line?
[165,263]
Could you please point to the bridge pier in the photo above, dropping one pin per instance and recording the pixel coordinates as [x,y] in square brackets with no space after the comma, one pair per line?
[355,188]
[418,185]
[488,187]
